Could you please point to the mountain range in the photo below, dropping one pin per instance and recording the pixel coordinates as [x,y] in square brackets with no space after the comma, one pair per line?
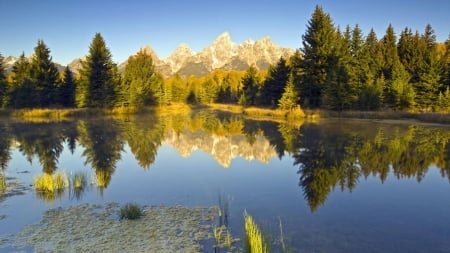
[222,53]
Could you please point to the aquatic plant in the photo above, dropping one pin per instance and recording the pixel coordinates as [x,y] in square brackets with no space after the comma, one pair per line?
[2,183]
[254,239]
[51,182]
[78,184]
[131,212]
[223,237]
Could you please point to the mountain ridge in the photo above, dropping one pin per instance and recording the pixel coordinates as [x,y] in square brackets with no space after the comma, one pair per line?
[222,53]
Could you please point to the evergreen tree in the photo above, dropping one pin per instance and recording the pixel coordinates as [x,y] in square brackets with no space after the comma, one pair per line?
[250,87]
[275,81]
[21,93]
[399,94]
[44,75]
[138,79]
[67,89]
[3,83]
[318,43]
[427,87]
[290,95]
[99,78]
[446,65]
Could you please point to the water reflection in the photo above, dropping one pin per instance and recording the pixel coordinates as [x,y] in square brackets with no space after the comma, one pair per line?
[330,155]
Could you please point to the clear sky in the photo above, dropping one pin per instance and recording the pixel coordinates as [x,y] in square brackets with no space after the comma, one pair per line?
[67,27]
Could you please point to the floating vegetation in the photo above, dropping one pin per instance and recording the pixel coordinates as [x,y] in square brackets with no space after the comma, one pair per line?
[95,228]
[254,239]
[223,237]
[130,212]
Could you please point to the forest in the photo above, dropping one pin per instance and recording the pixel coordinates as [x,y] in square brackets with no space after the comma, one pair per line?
[334,68]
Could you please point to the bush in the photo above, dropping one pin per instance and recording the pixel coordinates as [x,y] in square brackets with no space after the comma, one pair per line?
[130,212]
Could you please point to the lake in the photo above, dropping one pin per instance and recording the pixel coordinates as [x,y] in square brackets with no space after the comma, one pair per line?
[334,185]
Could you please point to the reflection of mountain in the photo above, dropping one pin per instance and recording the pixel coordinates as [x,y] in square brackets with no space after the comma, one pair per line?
[222,148]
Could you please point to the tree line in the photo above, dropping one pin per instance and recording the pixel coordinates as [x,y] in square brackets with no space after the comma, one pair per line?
[335,68]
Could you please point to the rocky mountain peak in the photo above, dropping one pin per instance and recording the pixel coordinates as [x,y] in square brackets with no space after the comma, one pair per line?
[178,57]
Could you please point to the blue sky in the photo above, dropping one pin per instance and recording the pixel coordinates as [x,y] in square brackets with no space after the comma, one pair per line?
[67,27]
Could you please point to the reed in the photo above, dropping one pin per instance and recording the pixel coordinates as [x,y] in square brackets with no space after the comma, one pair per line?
[51,182]
[177,108]
[254,239]
[2,183]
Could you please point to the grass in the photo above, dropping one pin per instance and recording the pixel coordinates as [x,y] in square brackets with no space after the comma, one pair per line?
[2,183]
[51,182]
[130,212]
[178,108]
[222,237]
[254,239]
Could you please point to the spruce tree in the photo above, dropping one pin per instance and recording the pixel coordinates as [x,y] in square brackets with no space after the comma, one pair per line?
[290,95]
[44,75]
[21,93]
[274,83]
[3,83]
[318,42]
[67,89]
[250,87]
[99,78]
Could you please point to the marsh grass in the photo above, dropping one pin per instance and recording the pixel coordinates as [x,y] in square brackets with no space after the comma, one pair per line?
[51,182]
[254,239]
[131,211]
[223,237]
[177,108]
[78,184]
[2,183]
[227,107]
[51,186]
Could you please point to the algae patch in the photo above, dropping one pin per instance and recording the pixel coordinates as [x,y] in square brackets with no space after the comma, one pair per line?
[95,228]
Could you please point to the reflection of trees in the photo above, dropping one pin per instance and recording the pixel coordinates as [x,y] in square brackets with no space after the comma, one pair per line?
[102,147]
[144,138]
[5,154]
[329,156]
[41,139]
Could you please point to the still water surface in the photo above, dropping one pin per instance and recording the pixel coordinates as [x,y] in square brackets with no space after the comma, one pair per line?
[336,185]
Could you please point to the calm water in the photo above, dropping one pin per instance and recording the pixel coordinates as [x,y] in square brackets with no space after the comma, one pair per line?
[336,185]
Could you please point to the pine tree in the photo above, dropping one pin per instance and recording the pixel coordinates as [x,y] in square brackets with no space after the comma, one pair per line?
[44,75]
[99,78]
[21,93]
[138,79]
[290,95]
[318,43]
[67,89]
[446,65]
[250,86]
[3,83]
[275,81]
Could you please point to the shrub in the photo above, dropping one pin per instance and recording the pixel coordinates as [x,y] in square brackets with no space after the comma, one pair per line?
[130,212]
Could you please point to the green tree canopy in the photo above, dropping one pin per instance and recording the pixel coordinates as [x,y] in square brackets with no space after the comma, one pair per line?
[3,83]
[318,43]
[44,75]
[99,78]
[138,80]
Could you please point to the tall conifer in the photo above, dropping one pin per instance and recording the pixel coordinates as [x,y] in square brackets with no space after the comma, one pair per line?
[99,78]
